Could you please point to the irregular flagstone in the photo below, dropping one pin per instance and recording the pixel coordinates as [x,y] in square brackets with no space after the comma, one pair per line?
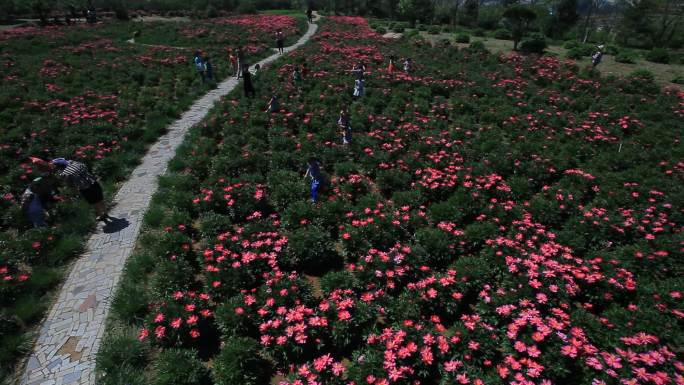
[70,336]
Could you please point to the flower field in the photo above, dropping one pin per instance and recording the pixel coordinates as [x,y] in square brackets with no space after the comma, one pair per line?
[495,220]
[83,92]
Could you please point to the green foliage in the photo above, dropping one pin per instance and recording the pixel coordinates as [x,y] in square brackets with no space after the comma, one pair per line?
[433,30]
[658,55]
[179,367]
[535,43]
[240,363]
[311,249]
[626,56]
[123,358]
[463,38]
[503,34]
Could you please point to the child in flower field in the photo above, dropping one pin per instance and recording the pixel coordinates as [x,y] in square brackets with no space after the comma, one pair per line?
[208,69]
[77,174]
[247,82]
[390,68]
[199,64]
[344,123]
[280,41]
[273,106]
[313,170]
[35,201]
[358,88]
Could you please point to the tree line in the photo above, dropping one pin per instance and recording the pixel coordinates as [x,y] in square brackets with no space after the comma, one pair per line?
[638,23]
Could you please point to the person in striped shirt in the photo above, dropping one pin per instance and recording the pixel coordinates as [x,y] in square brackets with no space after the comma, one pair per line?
[77,175]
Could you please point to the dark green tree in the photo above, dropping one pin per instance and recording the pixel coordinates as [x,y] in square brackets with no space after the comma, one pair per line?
[416,10]
[518,19]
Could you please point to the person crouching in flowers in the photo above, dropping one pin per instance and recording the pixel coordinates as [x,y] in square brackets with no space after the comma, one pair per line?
[199,64]
[77,175]
[344,123]
[313,170]
[36,200]
[296,76]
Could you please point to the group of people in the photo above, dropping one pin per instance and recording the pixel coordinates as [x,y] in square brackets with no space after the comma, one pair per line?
[203,66]
[42,193]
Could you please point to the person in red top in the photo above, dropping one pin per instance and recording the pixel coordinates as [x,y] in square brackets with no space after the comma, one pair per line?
[233,60]
[390,68]
[305,71]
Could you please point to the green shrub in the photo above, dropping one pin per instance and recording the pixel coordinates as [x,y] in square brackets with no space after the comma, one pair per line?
[570,44]
[381,30]
[433,30]
[535,43]
[343,279]
[503,34]
[463,38]
[122,356]
[626,56]
[179,367]
[678,79]
[247,7]
[479,32]
[310,248]
[240,363]
[658,55]
[477,46]
[421,27]
[400,27]
[574,53]
[611,50]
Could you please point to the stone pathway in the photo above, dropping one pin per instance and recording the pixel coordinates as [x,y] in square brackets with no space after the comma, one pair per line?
[70,336]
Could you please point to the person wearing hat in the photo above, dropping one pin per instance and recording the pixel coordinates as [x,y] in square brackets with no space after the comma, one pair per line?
[77,175]
[35,200]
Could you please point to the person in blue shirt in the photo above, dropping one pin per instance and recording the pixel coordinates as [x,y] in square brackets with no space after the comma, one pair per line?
[35,200]
[313,170]
[199,64]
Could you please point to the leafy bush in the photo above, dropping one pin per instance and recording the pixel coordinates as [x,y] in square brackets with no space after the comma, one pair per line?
[503,34]
[477,46]
[179,367]
[463,38]
[535,43]
[574,53]
[433,30]
[310,249]
[658,55]
[479,32]
[381,30]
[240,363]
[122,357]
[678,79]
[626,56]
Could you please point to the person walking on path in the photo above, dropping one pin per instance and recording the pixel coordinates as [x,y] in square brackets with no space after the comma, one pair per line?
[313,170]
[596,57]
[36,200]
[309,15]
[247,82]
[344,123]
[280,41]
[77,175]
[199,64]
[240,62]
[208,69]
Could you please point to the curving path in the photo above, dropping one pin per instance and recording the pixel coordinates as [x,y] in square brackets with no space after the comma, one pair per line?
[70,336]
